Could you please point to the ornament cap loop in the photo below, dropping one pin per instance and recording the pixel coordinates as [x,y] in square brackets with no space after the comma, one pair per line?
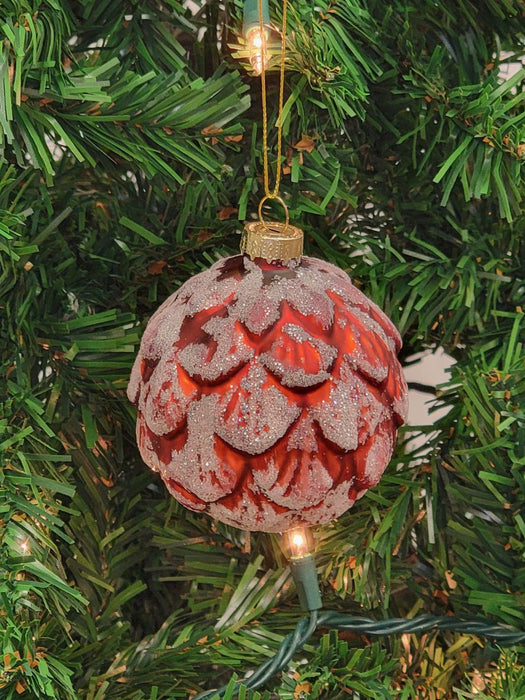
[272,241]
[281,202]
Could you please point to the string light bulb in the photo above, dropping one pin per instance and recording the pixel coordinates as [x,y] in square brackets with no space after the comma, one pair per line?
[257,55]
[298,545]
[298,542]
[256,18]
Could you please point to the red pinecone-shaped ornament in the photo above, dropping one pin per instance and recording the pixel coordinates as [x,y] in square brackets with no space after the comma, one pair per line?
[268,394]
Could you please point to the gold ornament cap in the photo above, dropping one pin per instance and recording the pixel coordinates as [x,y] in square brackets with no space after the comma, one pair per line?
[272,240]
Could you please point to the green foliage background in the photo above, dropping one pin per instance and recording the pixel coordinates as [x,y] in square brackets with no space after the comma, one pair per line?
[131,154]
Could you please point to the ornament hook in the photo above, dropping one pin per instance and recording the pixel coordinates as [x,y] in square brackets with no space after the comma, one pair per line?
[281,202]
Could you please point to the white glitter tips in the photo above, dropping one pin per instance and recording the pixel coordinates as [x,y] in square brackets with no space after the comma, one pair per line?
[165,404]
[379,452]
[299,359]
[135,380]
[297,488]
[255,414]
[223,352]
[196,466]
[339,416]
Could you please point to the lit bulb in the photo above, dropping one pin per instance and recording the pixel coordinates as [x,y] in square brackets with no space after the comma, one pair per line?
[257,39]
[298,545]
[24,546]
[298,542]
[256,44]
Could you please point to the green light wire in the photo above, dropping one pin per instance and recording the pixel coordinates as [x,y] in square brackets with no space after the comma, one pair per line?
[290,644]
[422,623]
[336,620]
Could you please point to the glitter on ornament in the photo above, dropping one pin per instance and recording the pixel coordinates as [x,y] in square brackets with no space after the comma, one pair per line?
[268,394]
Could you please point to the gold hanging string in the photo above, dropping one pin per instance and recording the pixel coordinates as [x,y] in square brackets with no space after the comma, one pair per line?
[274,193]
[272,241]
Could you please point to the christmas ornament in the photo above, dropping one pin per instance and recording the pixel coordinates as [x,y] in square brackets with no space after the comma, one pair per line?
[268,387]
[268,393]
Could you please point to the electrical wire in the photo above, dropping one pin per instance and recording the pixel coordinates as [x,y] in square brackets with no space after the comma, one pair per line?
[289,646]
[364,625]
[422,623]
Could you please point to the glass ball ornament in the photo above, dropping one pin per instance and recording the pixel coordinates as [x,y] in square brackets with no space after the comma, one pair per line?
[268,388]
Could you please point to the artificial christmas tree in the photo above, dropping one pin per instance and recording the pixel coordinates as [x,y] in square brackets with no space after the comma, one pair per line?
[126,132]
